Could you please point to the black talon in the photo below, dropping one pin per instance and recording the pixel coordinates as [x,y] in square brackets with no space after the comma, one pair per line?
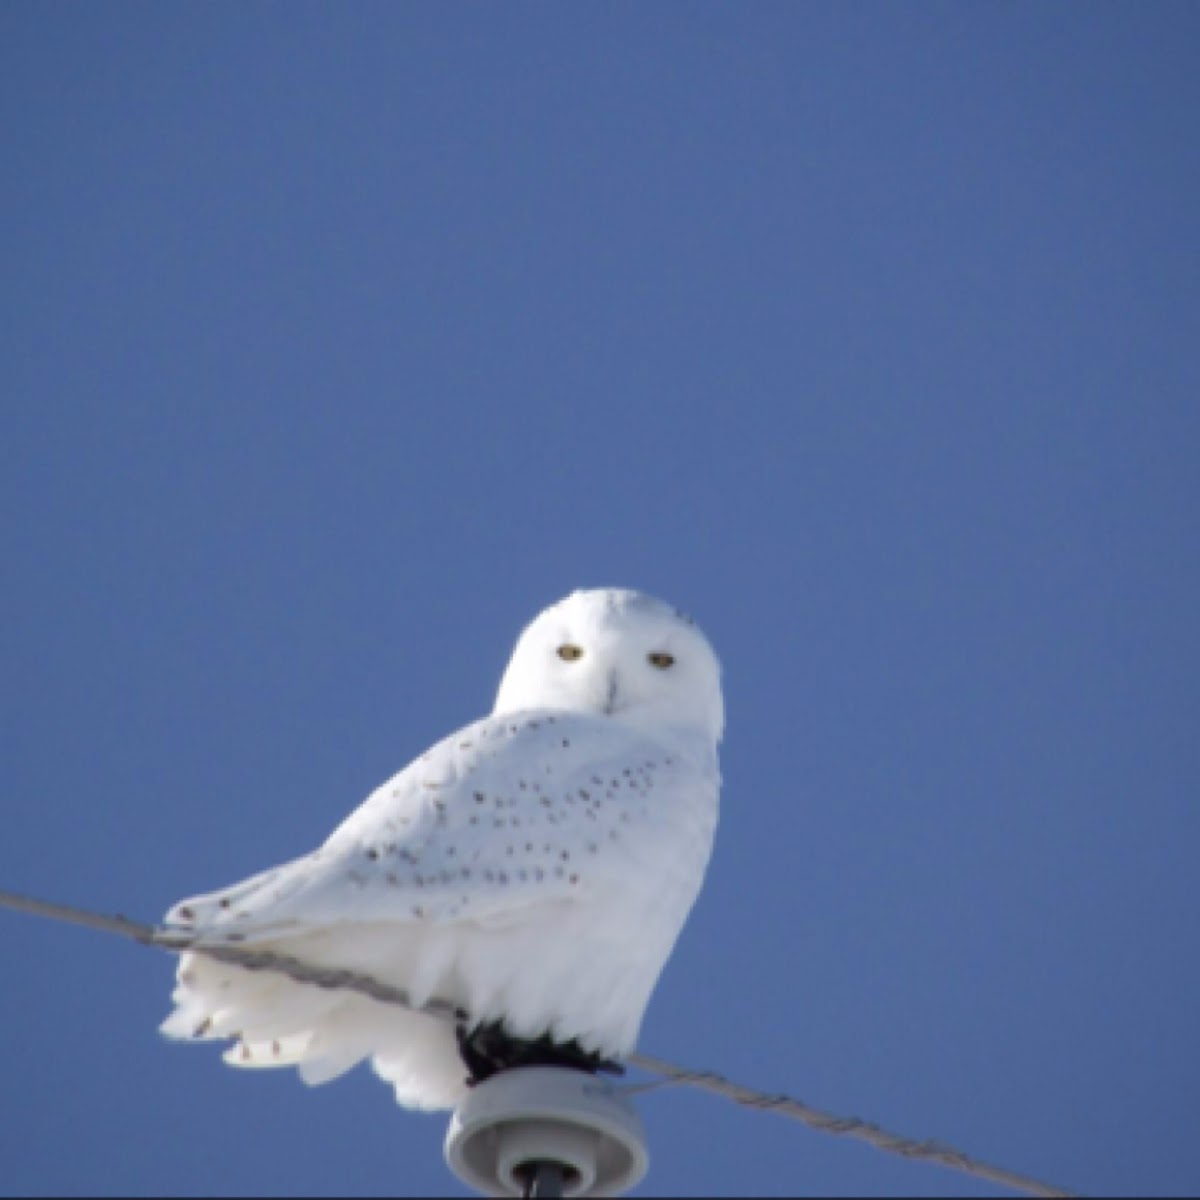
[488,1049]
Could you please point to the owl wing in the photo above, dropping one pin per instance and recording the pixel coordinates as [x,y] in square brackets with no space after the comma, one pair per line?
[527,809]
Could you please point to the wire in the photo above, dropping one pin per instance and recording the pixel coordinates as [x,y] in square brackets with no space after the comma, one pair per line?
[266,960]
[146,934]
[893,1143]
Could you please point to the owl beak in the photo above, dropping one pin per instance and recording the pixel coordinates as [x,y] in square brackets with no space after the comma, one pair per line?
[610,697]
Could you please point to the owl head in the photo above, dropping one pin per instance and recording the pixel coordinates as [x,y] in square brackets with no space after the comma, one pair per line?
[620,654]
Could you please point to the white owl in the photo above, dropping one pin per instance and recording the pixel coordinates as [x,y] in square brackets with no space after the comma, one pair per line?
[533,870]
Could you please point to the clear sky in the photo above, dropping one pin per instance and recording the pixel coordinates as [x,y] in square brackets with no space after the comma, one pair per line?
[338,340]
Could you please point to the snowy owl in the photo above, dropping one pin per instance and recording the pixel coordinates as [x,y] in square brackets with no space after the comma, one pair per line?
[532,870]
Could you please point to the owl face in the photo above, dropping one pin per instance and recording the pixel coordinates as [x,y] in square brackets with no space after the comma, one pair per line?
[620,654]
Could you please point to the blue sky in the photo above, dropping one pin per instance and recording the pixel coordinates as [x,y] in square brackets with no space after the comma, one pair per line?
[337,341]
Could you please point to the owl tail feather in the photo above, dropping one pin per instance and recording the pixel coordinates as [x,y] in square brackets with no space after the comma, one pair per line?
[278,1052]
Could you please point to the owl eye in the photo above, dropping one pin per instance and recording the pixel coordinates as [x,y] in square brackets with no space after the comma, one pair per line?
[569,652]
[660,660]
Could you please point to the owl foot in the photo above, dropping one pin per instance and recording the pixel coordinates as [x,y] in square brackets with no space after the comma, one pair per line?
[488,1049]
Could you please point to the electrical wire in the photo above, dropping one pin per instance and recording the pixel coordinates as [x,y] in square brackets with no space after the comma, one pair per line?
[265,960]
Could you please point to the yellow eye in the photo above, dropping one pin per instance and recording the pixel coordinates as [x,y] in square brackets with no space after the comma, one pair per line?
[569,652]
[661,661]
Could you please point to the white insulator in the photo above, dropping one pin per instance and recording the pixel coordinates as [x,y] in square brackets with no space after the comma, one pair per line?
[547,1114]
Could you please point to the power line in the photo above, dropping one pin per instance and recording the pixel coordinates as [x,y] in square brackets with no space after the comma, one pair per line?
[893,1143]
[710,1081]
